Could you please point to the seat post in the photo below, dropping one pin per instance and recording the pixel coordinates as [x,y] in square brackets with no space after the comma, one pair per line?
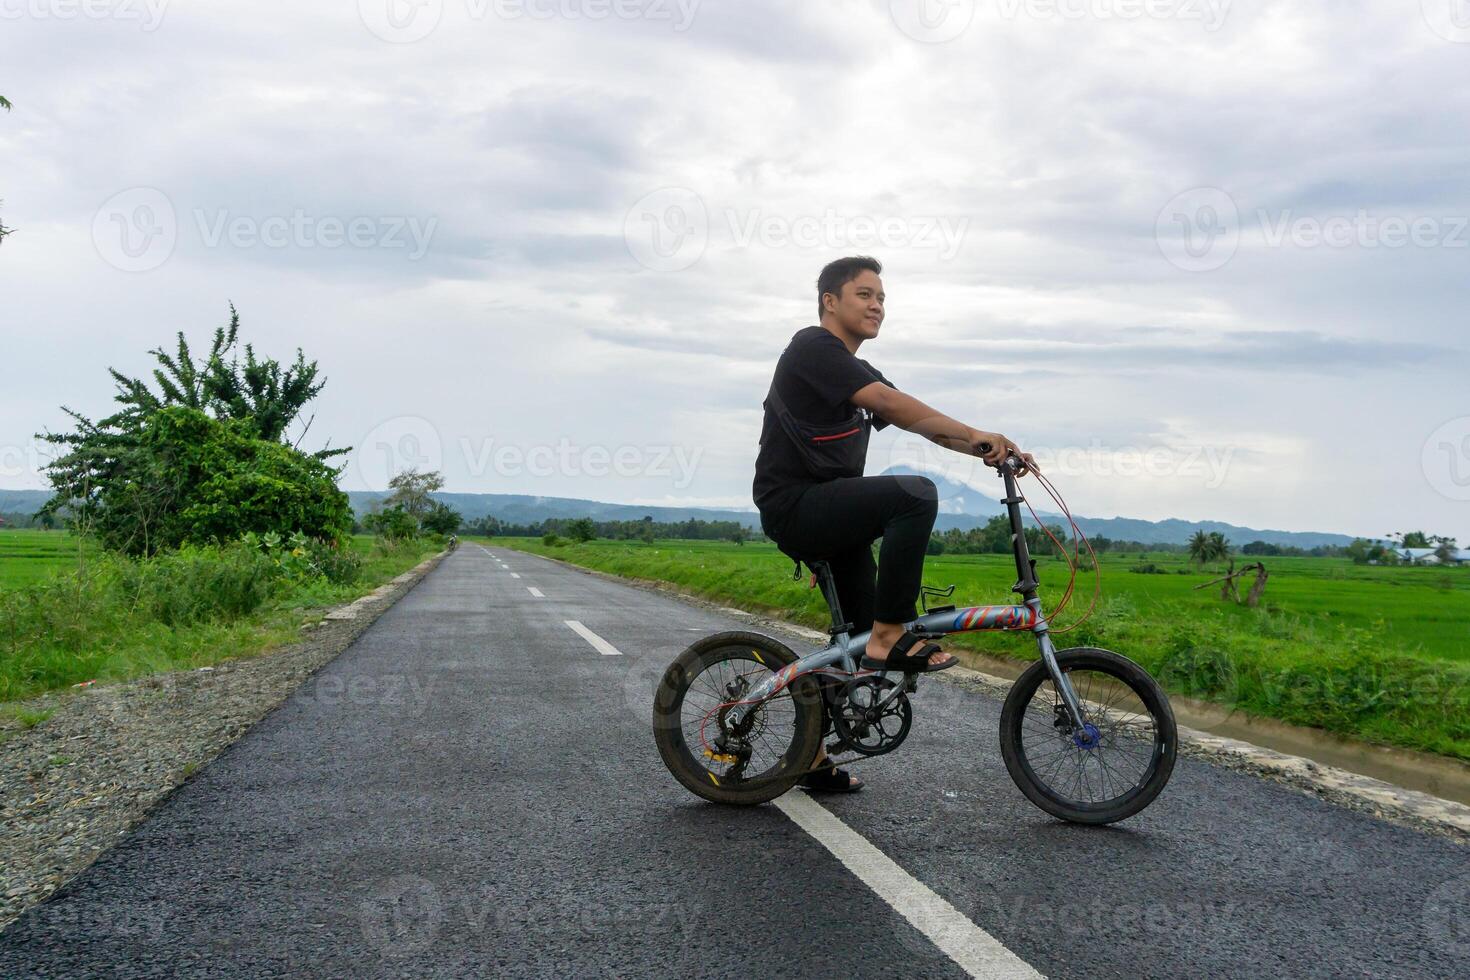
[828,585]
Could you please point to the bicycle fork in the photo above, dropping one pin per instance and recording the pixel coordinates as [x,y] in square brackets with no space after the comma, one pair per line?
[1059,679]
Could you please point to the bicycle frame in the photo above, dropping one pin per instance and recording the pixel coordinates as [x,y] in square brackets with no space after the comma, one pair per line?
[845,651]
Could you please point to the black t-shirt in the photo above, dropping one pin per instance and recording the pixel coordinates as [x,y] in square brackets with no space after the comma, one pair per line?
[816,378]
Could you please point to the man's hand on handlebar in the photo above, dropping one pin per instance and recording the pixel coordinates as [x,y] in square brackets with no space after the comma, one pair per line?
[994,448]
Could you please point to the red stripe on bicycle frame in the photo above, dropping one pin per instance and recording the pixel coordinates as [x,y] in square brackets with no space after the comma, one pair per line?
[840,435]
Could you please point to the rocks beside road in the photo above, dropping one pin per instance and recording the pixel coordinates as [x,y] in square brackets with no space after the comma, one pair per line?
[77,782]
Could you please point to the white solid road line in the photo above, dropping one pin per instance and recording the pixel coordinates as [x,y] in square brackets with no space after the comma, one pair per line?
[536,592]
[598,643]
[976,951]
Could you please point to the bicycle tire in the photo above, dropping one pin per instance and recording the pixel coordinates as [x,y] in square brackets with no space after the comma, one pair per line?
[1013,736]
[682,759]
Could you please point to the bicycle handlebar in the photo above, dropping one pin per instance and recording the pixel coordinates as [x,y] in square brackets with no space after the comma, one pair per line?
[1010,462]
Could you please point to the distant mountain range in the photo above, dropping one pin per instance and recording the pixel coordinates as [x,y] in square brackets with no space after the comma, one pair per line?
[961,506]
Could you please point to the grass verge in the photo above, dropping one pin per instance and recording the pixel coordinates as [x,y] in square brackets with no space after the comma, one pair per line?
[1320,653]
[111,618]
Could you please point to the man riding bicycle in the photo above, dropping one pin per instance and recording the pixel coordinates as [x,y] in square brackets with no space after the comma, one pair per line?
[809,486]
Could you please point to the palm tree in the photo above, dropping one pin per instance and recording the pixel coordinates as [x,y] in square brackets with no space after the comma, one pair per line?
[1218,548]
[1199,547]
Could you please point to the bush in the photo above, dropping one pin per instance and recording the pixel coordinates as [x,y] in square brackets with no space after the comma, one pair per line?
[300,558]
[192,479]
[395,524]
[197,584]
[75,627]
[442,519]
[1148,568]
[550,539]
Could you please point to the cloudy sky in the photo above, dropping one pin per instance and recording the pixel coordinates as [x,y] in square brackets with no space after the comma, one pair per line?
[1209,259]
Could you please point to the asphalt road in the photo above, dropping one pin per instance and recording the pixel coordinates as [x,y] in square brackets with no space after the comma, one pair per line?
[472,790]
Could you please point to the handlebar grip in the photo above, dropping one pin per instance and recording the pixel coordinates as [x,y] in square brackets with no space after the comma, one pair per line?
[1010,461]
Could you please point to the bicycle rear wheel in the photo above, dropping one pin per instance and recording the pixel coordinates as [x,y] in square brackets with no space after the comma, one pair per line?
[1112,768]
[756,761]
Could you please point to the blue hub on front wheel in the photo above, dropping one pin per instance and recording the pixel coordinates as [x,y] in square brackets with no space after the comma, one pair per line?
[1087,738]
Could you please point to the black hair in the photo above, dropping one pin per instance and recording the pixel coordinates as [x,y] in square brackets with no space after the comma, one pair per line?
[837,274]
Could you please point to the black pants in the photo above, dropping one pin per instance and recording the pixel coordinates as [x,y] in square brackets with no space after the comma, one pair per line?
[837,522]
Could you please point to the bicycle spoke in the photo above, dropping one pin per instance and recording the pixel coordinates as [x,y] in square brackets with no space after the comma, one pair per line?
[1114,764]
[772,723]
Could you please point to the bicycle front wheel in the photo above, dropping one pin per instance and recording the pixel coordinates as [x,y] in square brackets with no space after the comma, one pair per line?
[1114,766]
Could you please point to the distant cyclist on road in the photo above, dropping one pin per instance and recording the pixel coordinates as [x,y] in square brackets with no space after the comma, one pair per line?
[809,486]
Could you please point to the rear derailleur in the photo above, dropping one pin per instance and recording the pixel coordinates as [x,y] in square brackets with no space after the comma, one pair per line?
[732,745]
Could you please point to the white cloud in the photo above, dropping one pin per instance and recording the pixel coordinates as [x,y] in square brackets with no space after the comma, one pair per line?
[1045,145]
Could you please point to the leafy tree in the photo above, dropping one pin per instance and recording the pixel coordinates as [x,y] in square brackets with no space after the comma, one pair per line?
[191,479]
[1416,539]
[132,477]
[263,392]
[94,448]
[442,519]
[739,535]
[260,391]
[1363,551]
[394,523]
[411,491]
[582,530]
[485,526]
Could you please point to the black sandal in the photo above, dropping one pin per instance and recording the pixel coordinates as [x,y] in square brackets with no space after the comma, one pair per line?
[830,779]
[901,659]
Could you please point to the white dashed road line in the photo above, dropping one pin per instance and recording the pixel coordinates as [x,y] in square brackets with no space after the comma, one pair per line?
[598,643]
[976,951]
[535,592]
[514,575]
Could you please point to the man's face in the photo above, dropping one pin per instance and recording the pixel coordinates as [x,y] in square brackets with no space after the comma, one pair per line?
[859,310]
